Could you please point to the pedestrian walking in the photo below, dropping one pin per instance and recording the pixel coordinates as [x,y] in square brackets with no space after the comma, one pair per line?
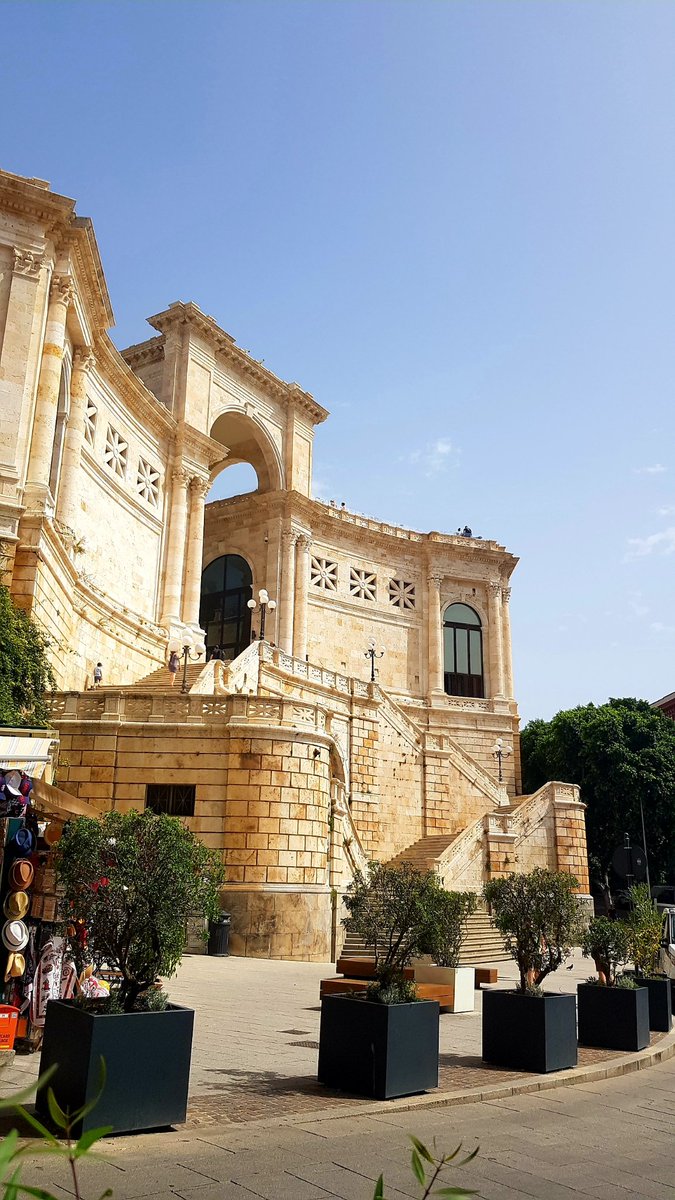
[98,675]
[173,665]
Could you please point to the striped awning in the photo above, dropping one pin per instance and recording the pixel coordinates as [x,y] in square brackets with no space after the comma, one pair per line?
[20,752]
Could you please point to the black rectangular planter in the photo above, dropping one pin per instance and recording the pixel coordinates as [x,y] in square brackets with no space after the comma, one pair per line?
[660,1004]
[378,1050]
[617,1018]
[529,1033]
[147,1058]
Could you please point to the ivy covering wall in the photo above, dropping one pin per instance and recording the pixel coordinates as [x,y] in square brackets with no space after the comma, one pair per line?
[25,673]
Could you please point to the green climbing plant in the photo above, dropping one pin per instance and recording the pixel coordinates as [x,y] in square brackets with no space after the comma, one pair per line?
[25,671]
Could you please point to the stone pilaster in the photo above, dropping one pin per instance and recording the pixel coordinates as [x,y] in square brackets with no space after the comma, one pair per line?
[301,588]
[69,489]
[506,640]
[434,622]
[286,601]
[495,640]
[46,407]
[195,551]
[175,555]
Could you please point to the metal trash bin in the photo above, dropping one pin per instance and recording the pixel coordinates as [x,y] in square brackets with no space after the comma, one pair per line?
[219,936]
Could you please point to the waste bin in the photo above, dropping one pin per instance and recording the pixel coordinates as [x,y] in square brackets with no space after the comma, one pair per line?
[219,936]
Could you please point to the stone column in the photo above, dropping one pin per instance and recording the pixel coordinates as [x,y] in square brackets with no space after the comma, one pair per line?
[495,640]
[436,687]
[46,407]
[301,588]
[175,555]
[194,551]
[286,600]
[506,640]
[69,488]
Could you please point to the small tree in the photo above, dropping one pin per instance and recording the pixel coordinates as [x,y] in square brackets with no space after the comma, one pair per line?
[25,672]
[132,880]
[644,926]
[606,942]
[446,929]
[538,915]
[389,907]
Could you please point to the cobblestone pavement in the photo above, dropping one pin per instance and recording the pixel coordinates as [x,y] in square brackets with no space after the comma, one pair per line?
[256,1040]
[610,1141]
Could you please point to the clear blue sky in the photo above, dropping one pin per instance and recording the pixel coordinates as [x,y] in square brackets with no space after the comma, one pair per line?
[452,222]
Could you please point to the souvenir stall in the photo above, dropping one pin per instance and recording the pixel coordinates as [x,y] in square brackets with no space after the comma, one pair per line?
[33,969]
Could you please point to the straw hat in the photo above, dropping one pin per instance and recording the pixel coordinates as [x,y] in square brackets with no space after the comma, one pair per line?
[16,905]
[21,874]
[16,966]
[14,935]
[52,833]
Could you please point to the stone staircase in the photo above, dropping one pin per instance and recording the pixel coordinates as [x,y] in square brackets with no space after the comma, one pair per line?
[159,681]
[424,854]
[483,944]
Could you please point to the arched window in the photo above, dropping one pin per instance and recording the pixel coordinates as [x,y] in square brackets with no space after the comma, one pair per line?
[226,587]
[462,651]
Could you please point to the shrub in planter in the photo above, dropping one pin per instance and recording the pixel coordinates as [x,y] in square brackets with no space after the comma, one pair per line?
[385,1043]
[613,1011]
[645,926]
[442,941]
[539,918]
[129,883]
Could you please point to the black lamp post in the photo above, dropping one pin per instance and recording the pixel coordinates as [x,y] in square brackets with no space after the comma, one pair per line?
[372,655]
[189,651]
[264,602]
[500,752]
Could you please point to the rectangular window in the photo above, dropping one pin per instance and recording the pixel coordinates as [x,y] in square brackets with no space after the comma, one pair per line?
[173,799]
[462,651]
[449,649]
[474,649]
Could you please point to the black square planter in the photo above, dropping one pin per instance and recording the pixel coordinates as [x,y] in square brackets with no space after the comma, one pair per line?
[378,1050]
[660,1003]
[529,1033]
[147,1058]
[616,1018]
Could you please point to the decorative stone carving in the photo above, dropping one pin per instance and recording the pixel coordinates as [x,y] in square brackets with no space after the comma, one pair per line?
[62,289]
[402,594]
[323,574]
[200,486]
[115,453]
[84,358]
[362,584]
[27,263]
[506,595]
[147,482]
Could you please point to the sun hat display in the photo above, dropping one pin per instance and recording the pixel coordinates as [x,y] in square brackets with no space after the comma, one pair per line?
[21,874]
[16,966]
[52,833]
[16,905]
[23,842]
[13,782]
[14,935]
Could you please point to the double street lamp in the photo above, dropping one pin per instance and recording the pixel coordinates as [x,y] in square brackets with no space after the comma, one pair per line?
[187,649]
[264,603]
[372,654]
[500,752]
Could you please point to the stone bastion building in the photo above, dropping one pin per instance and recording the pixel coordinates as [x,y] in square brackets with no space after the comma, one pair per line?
[284,756]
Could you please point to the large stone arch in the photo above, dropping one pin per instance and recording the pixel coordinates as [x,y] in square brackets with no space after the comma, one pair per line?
[249,441]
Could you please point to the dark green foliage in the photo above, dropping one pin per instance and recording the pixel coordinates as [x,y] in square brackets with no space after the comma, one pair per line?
[134,879]
[618,753]
[539,917]
[644,924]
[606,942]
[446,928]
[25,672]
[390,907]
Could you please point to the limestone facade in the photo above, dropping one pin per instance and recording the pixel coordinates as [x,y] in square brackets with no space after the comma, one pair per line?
[106,460]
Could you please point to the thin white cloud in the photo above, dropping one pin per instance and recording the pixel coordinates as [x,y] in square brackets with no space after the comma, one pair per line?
[668,510]
[655,543]
[659,627]
[656,469]
[435,457]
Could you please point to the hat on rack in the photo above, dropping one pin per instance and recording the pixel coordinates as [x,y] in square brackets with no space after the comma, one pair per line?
[13,782]
[16,966]
[52,833]
[14,935]
[21,874]
[23,842]
[16,905]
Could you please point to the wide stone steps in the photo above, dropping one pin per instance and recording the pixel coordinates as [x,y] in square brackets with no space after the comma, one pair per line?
[424,853]
[159,681]
[483,943]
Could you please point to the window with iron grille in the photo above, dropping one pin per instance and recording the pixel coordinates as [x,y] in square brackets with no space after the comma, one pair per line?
[174,799]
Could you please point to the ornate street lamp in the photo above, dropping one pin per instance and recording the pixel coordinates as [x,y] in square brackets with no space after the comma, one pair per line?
[372,655]
[264,602]
[500,752]
[186,648]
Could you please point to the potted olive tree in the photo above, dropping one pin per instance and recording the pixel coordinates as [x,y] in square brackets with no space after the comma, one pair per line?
[645,924]
[383,1043]
[526,1029]
[442,941]
[129,883]
[613,1011]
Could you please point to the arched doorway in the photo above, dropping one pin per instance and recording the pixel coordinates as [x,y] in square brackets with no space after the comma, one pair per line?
[226,588]
[462,651]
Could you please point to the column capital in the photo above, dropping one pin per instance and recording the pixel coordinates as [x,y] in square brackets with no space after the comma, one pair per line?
[289,537]
[27,263]
[62,290]
[181,477]
[496,590]
[199,486]
[506,594]
[304,541]
[84,358]
[435,579]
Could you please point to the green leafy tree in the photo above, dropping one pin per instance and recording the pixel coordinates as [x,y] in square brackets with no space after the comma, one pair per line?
[25,672]
[619,753]
[539,917]
[446,928]
[389,907]
[644,924]
[606,942]
[132,880]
